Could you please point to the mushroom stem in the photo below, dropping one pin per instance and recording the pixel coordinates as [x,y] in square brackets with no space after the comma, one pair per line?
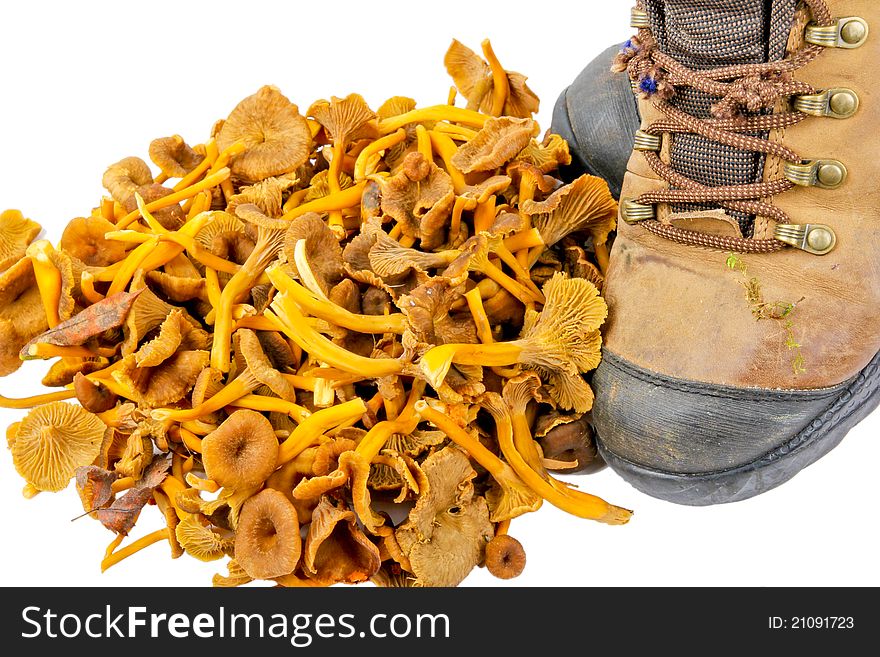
[446,148]
[347,198]
[166,201]
[435,362]
[201,168]
[423,143]
[44,350]
[130,265]
[136,546]
[502,528]
[308,431]
[200,253]
[295,199]
[329,311]
[433,113]
[455,223]
[500,83]
[294,326]
[273,404]
[192,442]
[48,279]
[373,442]
[521,274]
[524,240]
[334,220]
[212,286]
[255,323]
[478,312]
[231,392]
[580,504]
[455,131]
[36,400]
[484,215]
[87,285]
[374,148]
[517,289]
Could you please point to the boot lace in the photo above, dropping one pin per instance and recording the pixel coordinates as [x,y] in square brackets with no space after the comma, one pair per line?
[744,90]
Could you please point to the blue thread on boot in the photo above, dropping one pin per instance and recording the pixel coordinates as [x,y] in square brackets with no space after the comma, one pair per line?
[648,85]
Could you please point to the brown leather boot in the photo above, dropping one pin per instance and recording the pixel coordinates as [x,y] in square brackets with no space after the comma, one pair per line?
[744,284]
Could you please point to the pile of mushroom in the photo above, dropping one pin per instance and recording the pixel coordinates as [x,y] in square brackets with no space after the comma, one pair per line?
[333,346]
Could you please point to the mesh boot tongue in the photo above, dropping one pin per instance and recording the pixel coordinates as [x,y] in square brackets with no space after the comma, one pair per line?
[704,34]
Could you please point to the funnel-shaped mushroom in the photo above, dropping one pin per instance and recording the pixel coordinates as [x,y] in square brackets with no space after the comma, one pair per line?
[267,540]
[83,238]
[173,156]
[265,194]
[505,557]
[419,198]
[270,239]
[22,316]
[241,453]
[200,540]
[557,493]
[16,233]
[122,179]
[53,440]
[317,262]
[447,530]
[483,85]
[276,137]
[561,341]
[548,156]
[336,550]
[165,383]
[390,260]
[258,370]
[585,204]
[497,142]
[428,309]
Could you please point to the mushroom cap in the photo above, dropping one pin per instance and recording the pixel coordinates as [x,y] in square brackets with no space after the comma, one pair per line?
[498,141]
[327,455]
[173,156]
[481,192]
[388,259]
[16,233]
[94,396]
[323,253]
[198,538]
[22,316]
[344,119]
[224,236]
[336,550]
[83,238]
[53,440]
[167,382]
[548,156]
[505,557]
[122,179]
[63,370]
[428,312]
[420,197]
[395,106]
[259,366]
[242,452]
[319,186]
[171,217]
[585,204]
[568,438]
[277,138]
[175,334]
[447,530]
[179,289]
[267,539]
[265,194]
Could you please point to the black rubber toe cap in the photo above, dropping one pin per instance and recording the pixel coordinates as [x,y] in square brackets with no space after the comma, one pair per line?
[696,443]
[598,116]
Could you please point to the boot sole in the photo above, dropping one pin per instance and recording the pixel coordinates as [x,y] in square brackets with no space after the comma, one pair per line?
[819,437]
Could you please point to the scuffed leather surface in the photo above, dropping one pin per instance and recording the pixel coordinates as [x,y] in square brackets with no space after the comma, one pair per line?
[598,117]
[855,402]
[680,311]
[679,426]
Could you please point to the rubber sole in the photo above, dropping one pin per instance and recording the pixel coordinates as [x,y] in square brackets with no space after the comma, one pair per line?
[818,438]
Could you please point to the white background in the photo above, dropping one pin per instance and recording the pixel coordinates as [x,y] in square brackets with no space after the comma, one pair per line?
[84,84]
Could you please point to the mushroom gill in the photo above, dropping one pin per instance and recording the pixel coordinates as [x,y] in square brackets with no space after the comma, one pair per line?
[174,157]
[497,142]
[336,549]
[16,233]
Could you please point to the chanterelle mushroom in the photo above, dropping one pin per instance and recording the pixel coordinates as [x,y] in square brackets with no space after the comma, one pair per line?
[174,156]
[22,316]
[276,136]
[420,197]
[53,440]
[267,539]
[83,238]
[318,261]
[336,549]
[447,530]
[126,177]
[474,79]
[498,142]
[16,233]
[242,452]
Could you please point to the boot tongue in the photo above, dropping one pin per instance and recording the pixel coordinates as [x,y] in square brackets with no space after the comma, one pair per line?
[704,34]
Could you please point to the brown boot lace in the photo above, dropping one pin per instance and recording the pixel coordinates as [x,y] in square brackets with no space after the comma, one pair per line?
[742,88]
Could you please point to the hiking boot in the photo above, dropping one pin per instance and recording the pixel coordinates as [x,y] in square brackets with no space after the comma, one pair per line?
[743,285]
